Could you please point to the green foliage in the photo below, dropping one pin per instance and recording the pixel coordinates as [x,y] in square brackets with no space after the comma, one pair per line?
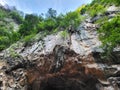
[29,38]
[110,34]
[106,2]
[2,47]
[96,9]
[2,14]
[29,25]
[64,34]
[71,18]
[13,54]
[60,22]
[50,24]
[16,16]
[51,13]
[81,9]
[15,36]
[7,37]
[47,25]
[101,20]
[7,33]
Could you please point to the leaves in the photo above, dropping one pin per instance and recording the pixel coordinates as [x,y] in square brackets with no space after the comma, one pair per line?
[106,2]
[110,33]
[96,9]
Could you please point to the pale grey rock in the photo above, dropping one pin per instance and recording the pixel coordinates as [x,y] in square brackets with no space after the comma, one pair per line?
[113,8]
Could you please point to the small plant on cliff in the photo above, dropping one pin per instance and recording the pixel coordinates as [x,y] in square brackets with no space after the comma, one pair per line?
[28,39]
[13,53]
[96,9]
[64,34]
[82,9]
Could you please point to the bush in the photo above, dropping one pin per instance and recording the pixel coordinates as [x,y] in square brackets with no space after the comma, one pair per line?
[64,34]
[29,25]
[16,17]
[101,20]
[82,9]
[47,25]
[4,42]
[2,47]
[96,9]
[28,39]
[13,54]
[7,37]
[110,34]
[106,2]
[2,14]
[71,18]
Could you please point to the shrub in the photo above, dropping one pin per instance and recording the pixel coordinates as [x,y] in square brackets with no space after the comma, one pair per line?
[47,25]
[13,54]
[7,37]
[71,18]
[106,2]
[96,9]
[28,39]
[81,9]
[110,34]
[64,34]
[29,25]
[101,20]
[2,14]
[16,16]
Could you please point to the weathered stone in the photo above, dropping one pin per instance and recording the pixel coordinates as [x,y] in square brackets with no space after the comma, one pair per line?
[113,8]
[54,63]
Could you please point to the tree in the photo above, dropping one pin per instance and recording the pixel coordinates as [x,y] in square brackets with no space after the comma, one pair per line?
[29,25]
[47,25]
[16,16]
[72,18]
[51,13]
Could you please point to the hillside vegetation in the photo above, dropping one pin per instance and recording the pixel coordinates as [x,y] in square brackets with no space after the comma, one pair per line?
[109,31]
[79,50]
[9,20]
[51,22]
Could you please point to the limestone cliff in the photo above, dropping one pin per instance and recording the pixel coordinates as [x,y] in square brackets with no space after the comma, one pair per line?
[59,63]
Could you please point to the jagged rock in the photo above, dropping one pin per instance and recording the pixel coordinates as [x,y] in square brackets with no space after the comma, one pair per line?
[16,63]
[59,58]
[52,63]
[96,18]
[71,77]
[113,8]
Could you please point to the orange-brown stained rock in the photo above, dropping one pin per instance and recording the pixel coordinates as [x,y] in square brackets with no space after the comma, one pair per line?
[73,74]
[95,72]
[31,76]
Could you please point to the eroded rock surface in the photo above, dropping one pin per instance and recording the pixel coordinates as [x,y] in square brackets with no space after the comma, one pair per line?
[57,63]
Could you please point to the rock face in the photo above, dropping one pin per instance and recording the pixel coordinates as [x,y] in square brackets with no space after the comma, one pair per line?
[58,63]
[64,73]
